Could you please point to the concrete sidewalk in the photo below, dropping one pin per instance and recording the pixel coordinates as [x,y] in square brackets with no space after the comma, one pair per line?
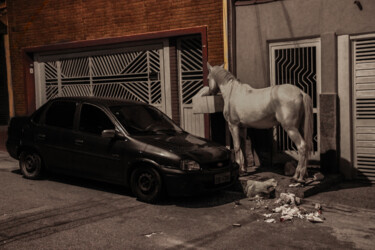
[7,163]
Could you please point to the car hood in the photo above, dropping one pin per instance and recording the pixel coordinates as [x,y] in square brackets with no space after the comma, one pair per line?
[188,146]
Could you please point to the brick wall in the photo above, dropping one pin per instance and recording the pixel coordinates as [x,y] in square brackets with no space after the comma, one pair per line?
[174,81]
[46,22]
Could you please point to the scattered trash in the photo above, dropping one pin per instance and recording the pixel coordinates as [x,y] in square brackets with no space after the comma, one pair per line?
[318,206]
[318,176]
[267,215]
[286,217]
[296,185]
[289,198]
[237,203]
[236,225]
[262,189]
[298,200]
[152,234]
[314,217]
[290,168]
[279,209]
[270,221]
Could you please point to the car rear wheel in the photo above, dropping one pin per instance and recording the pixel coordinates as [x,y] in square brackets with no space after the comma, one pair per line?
[146,184]
[31,165]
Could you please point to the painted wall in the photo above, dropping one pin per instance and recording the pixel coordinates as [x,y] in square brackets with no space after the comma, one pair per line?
[284,20]
[48,22]
[333,21]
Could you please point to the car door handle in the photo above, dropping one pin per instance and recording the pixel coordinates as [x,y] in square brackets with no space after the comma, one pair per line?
[78,142]
[42,136]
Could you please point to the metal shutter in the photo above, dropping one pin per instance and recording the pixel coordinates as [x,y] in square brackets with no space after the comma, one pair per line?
[364,108]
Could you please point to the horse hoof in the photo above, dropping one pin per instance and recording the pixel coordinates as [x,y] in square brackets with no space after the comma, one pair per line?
[295,179]
[301,181]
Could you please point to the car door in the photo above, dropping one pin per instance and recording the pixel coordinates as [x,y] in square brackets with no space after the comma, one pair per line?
[54,135]
[96,156]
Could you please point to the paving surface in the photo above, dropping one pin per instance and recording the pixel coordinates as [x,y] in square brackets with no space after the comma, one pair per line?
[284,182]
[59,212]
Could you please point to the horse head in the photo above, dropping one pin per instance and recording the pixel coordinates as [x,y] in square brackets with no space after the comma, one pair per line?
[212,81]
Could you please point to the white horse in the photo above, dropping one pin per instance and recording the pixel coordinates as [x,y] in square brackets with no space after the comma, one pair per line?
[245,107]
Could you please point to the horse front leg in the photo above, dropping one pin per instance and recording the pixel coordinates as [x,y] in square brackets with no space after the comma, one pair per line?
[301,170]
[236,136]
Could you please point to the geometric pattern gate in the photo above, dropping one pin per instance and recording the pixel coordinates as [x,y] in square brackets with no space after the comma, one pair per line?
[134,75]
[297,64]
[190,68]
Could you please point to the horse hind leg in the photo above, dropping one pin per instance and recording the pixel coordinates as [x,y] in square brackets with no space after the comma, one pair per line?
[301,170]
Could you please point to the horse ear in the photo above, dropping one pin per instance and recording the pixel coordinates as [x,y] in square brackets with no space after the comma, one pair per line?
[209,67]
[222,66]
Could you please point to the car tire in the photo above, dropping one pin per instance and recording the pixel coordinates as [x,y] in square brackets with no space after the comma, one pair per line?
[146,184]
[31,165]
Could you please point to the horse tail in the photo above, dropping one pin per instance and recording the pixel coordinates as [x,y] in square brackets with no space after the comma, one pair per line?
[308,123]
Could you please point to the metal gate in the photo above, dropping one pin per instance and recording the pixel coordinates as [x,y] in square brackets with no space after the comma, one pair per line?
[297,63]
[133,73]
[190,82]
[364,108]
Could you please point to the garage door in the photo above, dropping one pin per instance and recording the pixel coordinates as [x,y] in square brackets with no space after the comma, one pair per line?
[135,73]
[364,108]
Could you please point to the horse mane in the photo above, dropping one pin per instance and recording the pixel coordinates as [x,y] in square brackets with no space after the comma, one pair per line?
[223,76]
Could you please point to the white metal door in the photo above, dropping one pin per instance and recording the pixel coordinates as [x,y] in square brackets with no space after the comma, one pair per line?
[364,108]
[135,73]
[297,63]
[190,82]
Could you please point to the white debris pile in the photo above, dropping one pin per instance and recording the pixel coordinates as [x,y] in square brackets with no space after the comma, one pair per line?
[314,217]
[288,198]
[289,209]
[288,212]
[270,221]
[260,188]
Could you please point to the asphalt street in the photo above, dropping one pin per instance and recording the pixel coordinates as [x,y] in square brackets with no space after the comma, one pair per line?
[58,212]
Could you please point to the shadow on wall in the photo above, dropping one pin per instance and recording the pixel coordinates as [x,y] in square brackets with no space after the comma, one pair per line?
[262,156]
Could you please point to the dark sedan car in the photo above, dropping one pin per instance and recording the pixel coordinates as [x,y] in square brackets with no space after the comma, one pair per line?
[122,142]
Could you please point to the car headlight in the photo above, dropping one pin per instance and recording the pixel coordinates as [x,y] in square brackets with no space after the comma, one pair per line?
[190,165]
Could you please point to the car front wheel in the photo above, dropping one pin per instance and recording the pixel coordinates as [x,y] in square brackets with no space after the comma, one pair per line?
[31,165]
[146,184]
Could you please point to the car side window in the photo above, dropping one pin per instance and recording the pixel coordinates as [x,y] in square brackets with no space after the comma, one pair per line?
[61,114]
[94,120]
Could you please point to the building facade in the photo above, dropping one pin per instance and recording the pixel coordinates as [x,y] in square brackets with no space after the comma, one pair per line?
[151,51]
[327,48]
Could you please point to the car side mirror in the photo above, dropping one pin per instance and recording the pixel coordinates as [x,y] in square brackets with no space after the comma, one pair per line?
[112,133]
[109,133]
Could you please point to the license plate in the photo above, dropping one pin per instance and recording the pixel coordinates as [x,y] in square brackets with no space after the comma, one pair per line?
[222,178]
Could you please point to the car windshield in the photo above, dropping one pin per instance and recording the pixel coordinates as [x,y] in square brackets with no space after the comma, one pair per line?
[142,119]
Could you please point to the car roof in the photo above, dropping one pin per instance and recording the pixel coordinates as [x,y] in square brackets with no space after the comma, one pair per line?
[100,101]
